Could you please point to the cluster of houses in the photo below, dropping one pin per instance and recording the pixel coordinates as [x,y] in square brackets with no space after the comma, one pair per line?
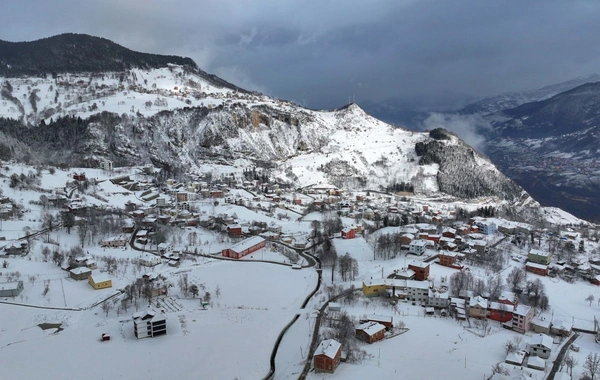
[97,280]
[530,357]
[328,355]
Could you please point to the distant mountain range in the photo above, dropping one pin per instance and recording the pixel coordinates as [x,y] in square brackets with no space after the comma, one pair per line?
[140,109]
[551,147]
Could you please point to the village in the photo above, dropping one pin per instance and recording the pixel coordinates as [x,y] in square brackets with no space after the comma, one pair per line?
[344,278]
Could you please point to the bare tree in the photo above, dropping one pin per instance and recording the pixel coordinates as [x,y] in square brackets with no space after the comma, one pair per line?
[82,232]
[515,279]
[570,362]
[183,284]
[106,307]
[45,253]
[590,299]
[592,365]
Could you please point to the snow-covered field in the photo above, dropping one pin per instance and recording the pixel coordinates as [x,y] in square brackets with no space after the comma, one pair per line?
[256,300]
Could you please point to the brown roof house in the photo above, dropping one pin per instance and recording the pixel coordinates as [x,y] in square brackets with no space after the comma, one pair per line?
[327,356]
[370,332]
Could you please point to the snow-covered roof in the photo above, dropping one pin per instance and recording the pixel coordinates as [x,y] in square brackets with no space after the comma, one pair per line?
[536,265]
[99,277]
[536,361]
[561,324]
[329,348]
[522,310]
[541,340]
[515,357]
[500,306]
[539,252]
[478,301]
[10,285]
[371,328]
[419,264]
[540,322]
[414,284]
[381,318]
[245,244]
[80,270]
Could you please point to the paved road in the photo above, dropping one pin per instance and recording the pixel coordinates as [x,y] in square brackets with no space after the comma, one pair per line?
[561,356]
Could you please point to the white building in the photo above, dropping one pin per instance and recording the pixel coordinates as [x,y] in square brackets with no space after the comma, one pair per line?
[417,247]
[417,291]
[148,324]
[149,260]
[540,345]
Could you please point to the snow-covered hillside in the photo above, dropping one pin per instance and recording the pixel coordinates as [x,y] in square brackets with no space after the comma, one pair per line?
[83,94]
[173,117]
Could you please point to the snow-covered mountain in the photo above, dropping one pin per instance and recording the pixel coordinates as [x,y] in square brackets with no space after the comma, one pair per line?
[552,148]
[510,100]
[177,117]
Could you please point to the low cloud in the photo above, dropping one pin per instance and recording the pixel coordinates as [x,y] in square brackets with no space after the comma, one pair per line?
[470,128]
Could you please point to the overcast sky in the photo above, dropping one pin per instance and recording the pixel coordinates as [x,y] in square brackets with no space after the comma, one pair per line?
[318,53]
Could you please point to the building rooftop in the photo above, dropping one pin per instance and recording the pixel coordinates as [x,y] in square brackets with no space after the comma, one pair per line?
[329,348]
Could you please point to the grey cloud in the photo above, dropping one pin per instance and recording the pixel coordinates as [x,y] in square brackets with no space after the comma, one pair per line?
[319,53]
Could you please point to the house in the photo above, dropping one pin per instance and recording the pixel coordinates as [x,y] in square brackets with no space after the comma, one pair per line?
[79,176]
[539,269]
[245,247]
[370,332]
[522,316]
[115,241]
[478,307]
[15,247]
[99,281]
[561,327]
[403,274]
[386,320]
[449,232]
[438,299]
[417,247]
[348,233]
[327,356]
[334,306]
[148,324]
[449,259]
[536,362]
[540,345]
[165,249]
[487,228]
[374,287]
[540,325]
[80,273]
[417,291]
[11,289]
[148,259]
[515,358]
[234,230]
[421,270]
[596,280]
[500,312]
[539,257]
